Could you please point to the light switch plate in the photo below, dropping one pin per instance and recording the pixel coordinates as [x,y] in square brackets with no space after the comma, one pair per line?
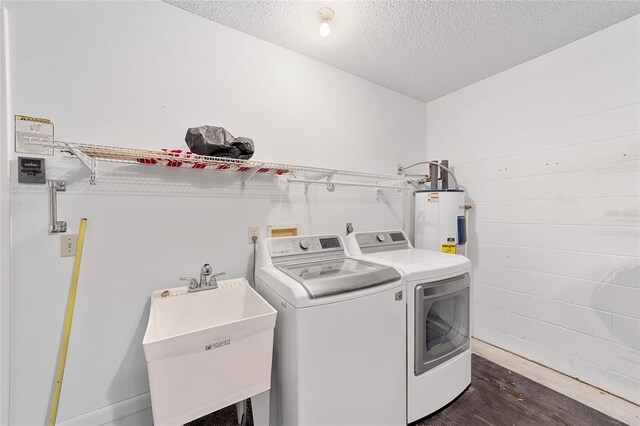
[68,243]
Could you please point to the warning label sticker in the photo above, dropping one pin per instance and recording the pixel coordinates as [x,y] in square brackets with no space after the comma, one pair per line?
[32,127]
[434,197]
[449,248]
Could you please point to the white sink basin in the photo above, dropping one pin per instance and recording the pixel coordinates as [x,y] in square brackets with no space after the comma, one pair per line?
[207,350]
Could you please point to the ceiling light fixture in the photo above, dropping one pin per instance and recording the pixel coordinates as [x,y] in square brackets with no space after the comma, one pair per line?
[325,15]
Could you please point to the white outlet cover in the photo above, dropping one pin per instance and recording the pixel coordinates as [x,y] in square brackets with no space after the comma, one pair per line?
[253,230]
[68,243]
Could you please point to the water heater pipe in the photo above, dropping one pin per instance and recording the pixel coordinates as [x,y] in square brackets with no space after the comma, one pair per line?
[400,169]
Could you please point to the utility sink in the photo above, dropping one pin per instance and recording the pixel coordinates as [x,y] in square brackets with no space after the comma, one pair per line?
[207,350]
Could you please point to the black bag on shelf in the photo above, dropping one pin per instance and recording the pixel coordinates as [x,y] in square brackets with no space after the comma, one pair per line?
[218,142]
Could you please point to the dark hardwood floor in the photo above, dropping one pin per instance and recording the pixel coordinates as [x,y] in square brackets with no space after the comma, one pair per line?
[496,397]
[499,397]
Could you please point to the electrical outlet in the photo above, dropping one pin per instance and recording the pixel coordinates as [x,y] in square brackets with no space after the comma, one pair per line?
[253,231]
[349,227]
[68,243]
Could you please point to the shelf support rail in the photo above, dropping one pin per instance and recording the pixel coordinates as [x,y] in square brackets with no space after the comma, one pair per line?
[89,162]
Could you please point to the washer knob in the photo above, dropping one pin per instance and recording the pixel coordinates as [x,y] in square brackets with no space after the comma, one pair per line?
[304,244]
[381,238]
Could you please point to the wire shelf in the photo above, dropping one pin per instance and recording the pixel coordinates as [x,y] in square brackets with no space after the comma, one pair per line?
[88,154]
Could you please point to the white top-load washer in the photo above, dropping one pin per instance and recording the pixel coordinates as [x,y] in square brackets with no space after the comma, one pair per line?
[339,345]
[438,346]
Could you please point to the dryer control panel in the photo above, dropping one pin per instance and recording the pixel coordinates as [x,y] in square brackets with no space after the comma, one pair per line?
[370,242]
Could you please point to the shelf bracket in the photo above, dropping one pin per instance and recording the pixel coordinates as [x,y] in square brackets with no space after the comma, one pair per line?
[249,174]
[89,163]
[55,226]
[330,186]
[319,176]
[328,175]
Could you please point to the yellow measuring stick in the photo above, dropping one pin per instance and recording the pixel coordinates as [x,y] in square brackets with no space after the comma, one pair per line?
[62,355]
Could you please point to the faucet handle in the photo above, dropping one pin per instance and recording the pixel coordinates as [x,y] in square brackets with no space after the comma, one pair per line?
[213,280]
[193,283]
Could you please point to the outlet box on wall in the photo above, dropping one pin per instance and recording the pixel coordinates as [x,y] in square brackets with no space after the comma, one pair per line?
[253,231]
[283,230]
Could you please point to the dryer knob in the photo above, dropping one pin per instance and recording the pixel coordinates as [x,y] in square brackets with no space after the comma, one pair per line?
[304,244]
[380,237]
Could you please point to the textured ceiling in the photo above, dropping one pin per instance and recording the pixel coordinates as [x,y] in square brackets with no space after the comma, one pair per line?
[424,49]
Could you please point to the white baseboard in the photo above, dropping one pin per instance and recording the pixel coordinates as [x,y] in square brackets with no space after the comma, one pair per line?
[113,412]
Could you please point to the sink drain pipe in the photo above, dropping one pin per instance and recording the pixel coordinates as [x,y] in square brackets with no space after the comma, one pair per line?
[64,345]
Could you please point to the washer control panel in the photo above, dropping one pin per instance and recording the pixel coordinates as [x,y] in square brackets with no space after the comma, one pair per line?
[303,245]
[381,241]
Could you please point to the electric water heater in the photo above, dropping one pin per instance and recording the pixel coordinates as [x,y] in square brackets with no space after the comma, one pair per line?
[440,222]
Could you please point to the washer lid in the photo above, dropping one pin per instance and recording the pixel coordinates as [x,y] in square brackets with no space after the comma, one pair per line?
[336,276]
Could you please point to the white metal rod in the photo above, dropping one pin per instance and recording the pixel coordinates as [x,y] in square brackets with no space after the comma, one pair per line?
[369,185]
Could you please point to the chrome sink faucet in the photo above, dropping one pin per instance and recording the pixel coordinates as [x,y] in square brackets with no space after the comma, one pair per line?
[206,270]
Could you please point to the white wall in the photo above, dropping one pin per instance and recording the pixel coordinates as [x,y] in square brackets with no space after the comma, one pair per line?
[549,153]
[5,233]
[138,75]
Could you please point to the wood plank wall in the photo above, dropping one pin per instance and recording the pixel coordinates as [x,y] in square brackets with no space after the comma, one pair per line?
[549,154]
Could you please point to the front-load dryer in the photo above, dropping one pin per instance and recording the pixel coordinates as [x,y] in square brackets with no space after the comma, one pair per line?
[438,310]
[339,344]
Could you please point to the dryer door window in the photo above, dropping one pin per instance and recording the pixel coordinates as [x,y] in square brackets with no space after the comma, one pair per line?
[442,322]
